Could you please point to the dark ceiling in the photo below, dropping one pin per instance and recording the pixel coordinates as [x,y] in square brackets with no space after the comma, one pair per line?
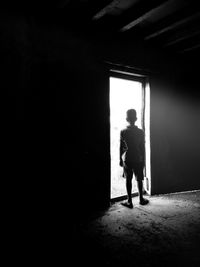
[172,26]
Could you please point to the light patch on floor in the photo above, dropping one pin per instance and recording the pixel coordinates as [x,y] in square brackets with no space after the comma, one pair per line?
[164,233]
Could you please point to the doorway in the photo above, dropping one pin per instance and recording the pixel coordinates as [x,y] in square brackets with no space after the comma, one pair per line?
[126,92]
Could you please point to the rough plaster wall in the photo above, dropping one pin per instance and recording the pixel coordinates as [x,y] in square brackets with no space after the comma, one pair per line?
[175,137]
[56,114]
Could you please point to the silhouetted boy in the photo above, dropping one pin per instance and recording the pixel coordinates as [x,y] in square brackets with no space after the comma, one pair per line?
[132,157]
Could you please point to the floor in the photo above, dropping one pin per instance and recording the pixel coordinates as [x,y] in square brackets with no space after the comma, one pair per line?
[166,232]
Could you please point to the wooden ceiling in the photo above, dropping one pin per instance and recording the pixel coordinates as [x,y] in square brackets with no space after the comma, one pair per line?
[172,26]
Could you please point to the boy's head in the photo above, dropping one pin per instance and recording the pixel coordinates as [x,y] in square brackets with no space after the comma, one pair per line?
[131,116]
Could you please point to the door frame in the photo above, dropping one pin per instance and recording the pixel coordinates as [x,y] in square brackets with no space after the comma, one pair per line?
[144,79]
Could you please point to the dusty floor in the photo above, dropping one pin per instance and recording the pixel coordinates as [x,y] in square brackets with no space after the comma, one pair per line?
[164,233]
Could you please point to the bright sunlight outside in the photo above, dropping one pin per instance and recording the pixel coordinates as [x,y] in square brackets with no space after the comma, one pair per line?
[124,95]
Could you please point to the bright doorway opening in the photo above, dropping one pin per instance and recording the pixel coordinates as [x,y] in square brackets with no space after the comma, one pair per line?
[126,93]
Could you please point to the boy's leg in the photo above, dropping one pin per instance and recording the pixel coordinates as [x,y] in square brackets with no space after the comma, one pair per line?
[140,177]
[128,172]
[129,188]
[142,200]
[140,189]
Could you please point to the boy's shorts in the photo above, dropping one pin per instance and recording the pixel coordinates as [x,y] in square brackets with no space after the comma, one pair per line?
[134,168]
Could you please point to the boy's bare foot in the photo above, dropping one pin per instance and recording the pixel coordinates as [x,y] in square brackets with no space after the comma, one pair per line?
[127,204]
[144,201]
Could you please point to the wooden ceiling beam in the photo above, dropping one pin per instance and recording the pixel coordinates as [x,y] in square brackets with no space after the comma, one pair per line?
[173,26]
[116,7]
[182,37]
[146,15]
[191,48]
[63,3]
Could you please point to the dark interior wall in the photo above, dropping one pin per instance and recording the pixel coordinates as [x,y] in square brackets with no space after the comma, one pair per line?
[175,134]
[56,115]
